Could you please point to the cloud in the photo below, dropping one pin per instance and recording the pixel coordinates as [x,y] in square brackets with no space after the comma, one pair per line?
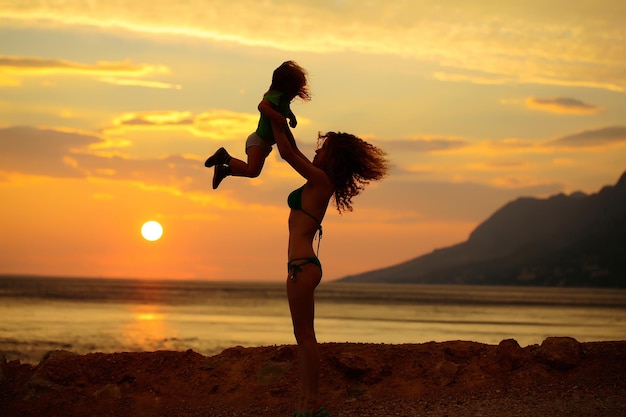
[225,124]
[497,166]
[173,171]
[436,200]
[480,78]
[425,145]
[530,41]
[561,105]
[140,83]
[108,72]
[215,124]
[47,66]
[63,154]
[44,152]
[591,138]
[154,119]
[115,152]
[57,153]
[489,173]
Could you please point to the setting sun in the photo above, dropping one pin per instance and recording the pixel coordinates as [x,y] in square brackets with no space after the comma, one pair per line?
[152,230]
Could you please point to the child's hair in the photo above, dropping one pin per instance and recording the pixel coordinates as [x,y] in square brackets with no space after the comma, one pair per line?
[351,163]
[291,79]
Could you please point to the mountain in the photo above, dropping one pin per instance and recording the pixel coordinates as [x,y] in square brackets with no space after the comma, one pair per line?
[576,240]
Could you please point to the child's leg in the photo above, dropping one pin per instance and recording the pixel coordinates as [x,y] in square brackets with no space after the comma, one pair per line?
[251,169]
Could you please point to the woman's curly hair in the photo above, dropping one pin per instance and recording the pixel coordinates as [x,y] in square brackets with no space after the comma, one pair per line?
[291,79]
[351,163]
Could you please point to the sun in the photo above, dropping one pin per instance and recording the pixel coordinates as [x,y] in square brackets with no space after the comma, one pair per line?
[152,231]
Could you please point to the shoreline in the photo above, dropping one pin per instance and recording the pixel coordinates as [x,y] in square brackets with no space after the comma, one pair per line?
[559,377]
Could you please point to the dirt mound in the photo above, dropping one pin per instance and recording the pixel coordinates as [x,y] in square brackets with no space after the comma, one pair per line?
[560,377]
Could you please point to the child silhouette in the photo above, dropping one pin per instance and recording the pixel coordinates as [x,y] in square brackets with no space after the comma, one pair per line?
[289,81]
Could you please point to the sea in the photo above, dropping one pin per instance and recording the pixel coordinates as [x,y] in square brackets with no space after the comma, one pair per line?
[84,315]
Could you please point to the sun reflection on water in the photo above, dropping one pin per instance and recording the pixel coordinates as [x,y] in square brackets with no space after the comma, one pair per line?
[148,328]
[150,316]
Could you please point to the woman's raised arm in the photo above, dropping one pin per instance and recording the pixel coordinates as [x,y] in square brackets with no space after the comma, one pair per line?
[289,152]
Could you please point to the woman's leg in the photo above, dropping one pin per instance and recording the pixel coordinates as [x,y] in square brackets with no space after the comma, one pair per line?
[300,293]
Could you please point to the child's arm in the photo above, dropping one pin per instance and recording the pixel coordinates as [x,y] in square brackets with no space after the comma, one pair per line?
[299,162]
[293,122]
[267,109]
[292,141]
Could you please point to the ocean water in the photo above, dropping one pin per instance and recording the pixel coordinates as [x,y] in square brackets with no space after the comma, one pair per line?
[40,314]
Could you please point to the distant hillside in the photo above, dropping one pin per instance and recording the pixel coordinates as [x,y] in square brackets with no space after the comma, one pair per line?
[574,240]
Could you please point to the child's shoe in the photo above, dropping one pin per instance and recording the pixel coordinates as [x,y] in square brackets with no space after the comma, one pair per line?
[221,172]
[220,156]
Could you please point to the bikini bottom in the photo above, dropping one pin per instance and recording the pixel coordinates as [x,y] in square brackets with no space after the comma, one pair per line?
[297,267]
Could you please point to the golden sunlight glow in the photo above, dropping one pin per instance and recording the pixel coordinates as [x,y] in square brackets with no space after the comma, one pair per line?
[148,327]
[149,316]
[152,231]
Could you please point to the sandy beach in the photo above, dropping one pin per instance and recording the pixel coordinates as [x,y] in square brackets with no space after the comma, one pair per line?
[559,377]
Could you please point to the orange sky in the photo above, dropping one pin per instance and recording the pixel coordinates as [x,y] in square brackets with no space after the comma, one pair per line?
[108,110]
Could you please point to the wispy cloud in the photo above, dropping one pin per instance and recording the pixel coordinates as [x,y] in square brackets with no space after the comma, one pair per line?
[34,65]
[154,119]
[442,199]
[478,42]
[497,166]
[593,138]
[75,154]
[501,148]
[215,124]
[45,152]
[140,83]
[562,105]
[62,154]
[474,78]
[425,144]
[29,154]
[13,67]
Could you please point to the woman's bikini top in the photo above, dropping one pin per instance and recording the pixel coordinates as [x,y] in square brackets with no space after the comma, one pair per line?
[294,201]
